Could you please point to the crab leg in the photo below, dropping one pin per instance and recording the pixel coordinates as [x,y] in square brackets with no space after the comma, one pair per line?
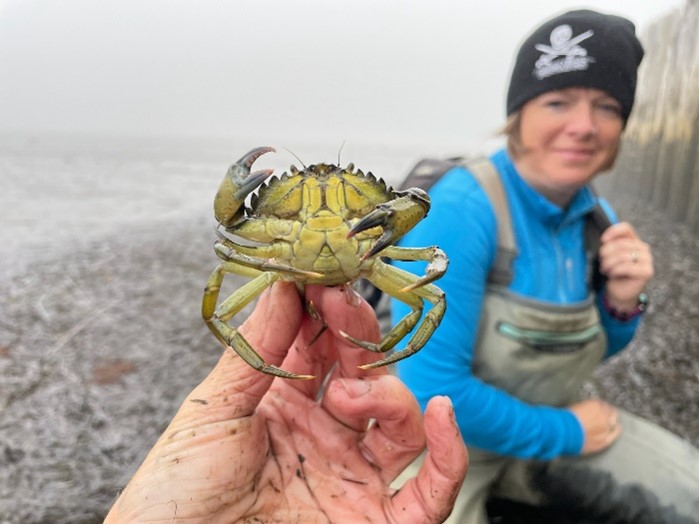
[436,268]
[425,329]
[396,217]
[238,183]
[226,250]
[394,281]
[216,317]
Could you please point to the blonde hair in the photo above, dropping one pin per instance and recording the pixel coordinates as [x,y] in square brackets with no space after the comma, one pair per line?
[511,131]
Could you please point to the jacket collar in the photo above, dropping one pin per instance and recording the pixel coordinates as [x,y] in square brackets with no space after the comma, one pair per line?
[537,205]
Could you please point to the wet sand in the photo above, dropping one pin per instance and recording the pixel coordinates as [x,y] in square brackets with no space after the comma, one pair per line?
[103,260]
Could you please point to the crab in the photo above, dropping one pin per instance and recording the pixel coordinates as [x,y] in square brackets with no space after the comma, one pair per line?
[321,225]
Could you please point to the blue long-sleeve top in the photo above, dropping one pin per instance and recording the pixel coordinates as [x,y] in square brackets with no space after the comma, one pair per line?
[550,266]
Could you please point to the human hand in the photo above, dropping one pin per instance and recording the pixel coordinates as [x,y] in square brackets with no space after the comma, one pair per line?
[247,447]
[627,261]
[600,423]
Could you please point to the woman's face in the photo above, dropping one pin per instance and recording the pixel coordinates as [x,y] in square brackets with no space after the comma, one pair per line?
[567,137]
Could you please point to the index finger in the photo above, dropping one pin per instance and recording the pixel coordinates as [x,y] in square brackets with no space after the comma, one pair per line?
[617,231]
[343,310]
[319,348]
[233,385]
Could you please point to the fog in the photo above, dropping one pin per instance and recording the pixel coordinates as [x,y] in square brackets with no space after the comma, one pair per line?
[384,72]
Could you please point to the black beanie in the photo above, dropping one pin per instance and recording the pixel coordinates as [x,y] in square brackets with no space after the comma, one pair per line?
[578,49]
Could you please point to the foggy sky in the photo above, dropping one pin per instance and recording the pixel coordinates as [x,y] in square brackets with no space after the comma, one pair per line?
[386,71]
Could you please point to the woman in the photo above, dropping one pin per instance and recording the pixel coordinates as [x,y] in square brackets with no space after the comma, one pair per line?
[513,352]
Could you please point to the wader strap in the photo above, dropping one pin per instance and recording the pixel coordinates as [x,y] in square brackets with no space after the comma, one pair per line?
[488,177]
[502,271]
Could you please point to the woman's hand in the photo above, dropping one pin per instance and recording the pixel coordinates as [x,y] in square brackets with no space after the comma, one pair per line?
[247,447]
[627,261]
[600,423]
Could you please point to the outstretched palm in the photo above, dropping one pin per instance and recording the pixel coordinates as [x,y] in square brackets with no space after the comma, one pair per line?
[323,450]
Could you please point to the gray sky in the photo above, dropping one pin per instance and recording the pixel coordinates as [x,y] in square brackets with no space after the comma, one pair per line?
[384,71]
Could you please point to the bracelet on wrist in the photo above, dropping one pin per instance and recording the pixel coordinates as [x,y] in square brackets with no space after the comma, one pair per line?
[625,316]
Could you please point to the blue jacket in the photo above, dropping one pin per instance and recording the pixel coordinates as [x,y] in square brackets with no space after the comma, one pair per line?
[551,266]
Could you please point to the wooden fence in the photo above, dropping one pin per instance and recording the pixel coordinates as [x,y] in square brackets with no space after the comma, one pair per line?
[659,160]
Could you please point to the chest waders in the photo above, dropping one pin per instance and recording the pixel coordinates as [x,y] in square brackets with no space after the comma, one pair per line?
[539,352]
[543,353]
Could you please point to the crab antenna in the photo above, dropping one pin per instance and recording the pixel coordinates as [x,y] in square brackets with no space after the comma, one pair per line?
[296,157]
[340,150]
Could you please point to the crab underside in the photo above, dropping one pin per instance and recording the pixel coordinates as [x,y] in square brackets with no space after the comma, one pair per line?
[321,225]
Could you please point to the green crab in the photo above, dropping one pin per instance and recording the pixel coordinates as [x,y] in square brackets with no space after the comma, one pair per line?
[321,225]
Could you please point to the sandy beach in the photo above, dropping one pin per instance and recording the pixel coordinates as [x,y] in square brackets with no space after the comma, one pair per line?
[104,254]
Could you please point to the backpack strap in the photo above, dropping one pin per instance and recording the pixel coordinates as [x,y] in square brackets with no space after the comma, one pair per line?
[597,221]
[488,177]
[502,271]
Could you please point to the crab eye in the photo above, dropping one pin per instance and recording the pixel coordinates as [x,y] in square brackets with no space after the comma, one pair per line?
[418,195]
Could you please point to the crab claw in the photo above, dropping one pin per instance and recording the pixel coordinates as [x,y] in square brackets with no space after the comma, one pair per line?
[238,183]
[396,217]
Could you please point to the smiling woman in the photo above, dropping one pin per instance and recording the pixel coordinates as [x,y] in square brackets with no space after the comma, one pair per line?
[572,98]
[566,138]
[527,323]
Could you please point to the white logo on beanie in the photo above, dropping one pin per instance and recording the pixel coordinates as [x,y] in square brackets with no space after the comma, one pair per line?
[564,54]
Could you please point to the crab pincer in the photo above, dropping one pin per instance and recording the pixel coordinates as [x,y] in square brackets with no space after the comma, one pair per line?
[238,183]
[396,217]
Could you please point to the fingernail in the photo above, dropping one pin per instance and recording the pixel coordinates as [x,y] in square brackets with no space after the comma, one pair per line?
[312,310]
[452,413]
[355,387]
[354,299]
